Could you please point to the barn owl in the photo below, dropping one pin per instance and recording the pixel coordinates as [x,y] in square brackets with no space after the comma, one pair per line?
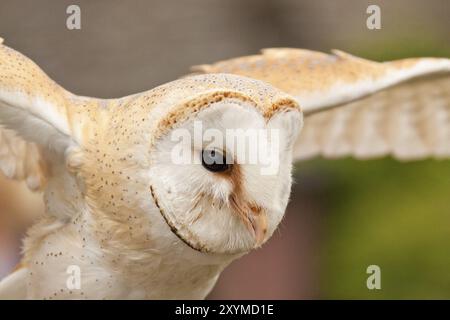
[131,224]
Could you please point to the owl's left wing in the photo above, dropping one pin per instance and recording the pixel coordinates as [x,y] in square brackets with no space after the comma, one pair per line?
[355,106]
[38,119]
[21,160]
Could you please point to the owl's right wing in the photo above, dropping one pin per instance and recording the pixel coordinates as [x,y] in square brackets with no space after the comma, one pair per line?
[408,121]
[356,107]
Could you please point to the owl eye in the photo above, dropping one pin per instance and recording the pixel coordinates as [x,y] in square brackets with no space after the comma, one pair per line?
[214,160]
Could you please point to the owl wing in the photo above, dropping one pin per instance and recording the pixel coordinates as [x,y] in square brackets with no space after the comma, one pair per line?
[357,107]
[14,286]
[34,118]
[21,160]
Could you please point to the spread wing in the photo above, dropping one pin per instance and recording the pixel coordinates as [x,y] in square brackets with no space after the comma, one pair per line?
[355,106]
[34,117]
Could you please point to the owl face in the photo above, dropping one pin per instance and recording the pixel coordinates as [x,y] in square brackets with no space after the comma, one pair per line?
[203,162]
[221,181]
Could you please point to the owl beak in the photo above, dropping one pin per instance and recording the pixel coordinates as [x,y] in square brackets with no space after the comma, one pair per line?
[258,224]
[254,218]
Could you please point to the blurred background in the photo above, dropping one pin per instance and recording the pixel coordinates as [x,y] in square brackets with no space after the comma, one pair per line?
[344,214]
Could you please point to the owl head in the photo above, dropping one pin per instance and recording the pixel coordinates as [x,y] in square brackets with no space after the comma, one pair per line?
[203,162]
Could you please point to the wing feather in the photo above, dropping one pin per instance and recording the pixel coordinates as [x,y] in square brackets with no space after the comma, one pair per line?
[357,107]
[409,121]
[14,286]
[21,160]
[35,114]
